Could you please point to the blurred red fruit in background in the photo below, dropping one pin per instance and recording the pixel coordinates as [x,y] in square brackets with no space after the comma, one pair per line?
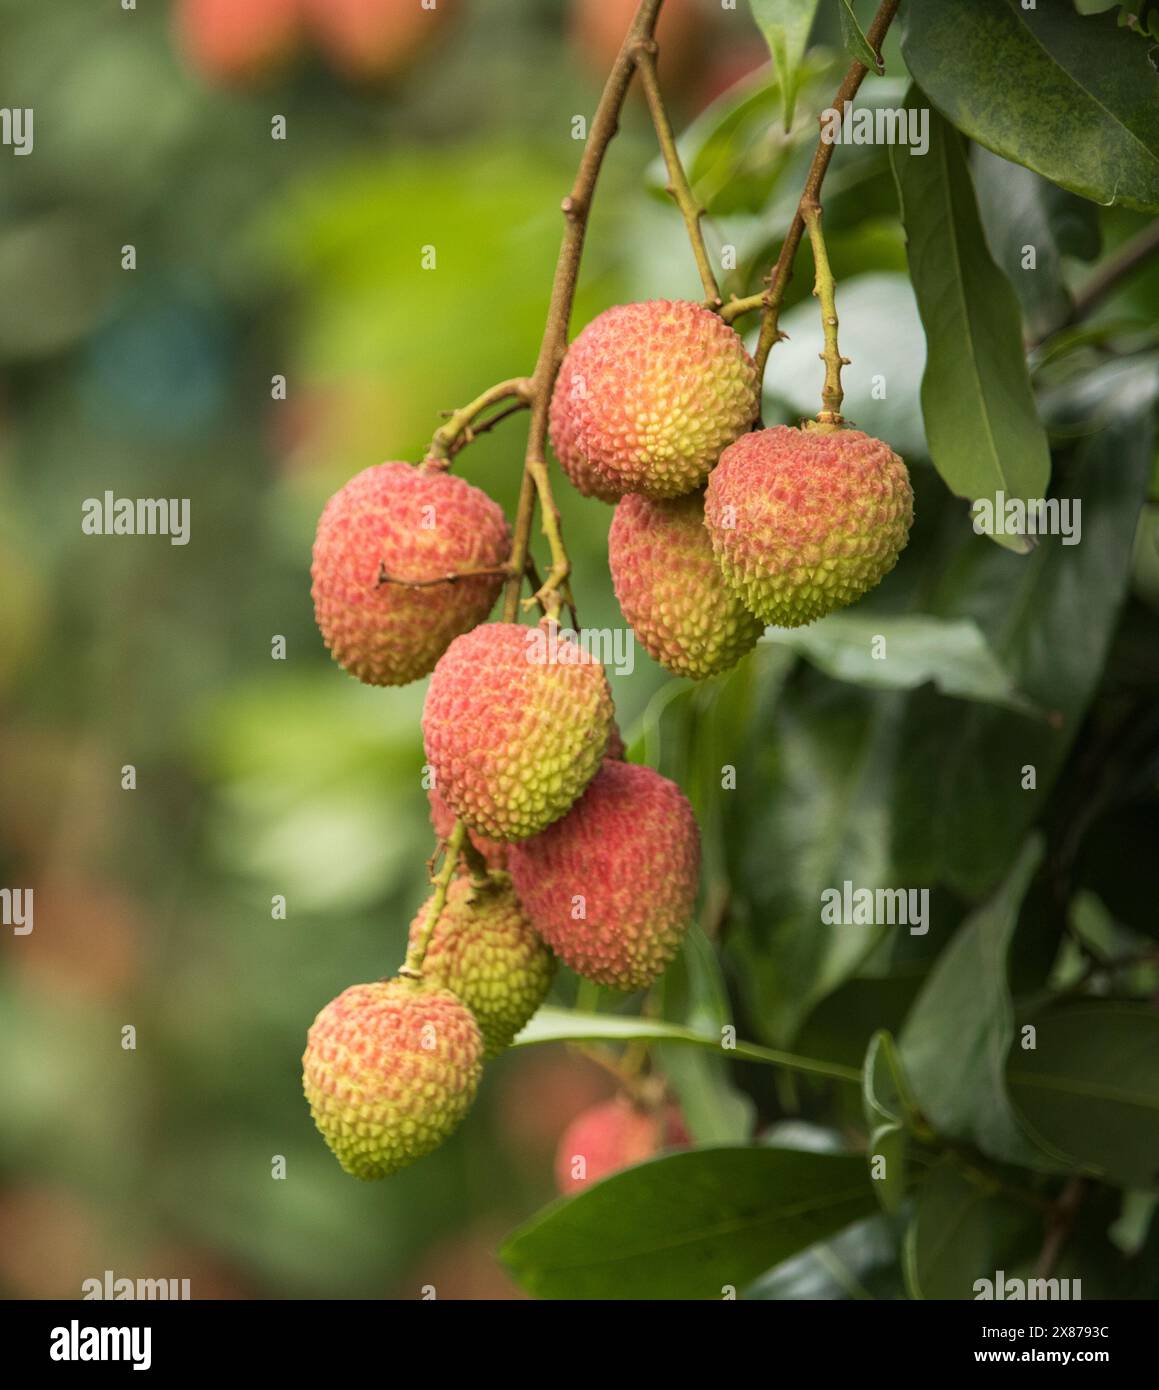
[237,41]
[612,1136]
[369,40]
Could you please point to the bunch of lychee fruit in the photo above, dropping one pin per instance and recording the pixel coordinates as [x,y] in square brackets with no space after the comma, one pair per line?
[561,848]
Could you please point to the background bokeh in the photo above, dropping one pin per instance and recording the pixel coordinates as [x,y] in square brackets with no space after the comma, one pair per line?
[254,777]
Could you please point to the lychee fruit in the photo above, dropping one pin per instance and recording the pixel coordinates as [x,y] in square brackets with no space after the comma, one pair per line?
[394,525]
[390,1069]
[804,521]
[515,724]
[485,951]
[443,822]
[611,888]
[648,396]
[614,1135]
[671,589]
[232,42]
[372,40]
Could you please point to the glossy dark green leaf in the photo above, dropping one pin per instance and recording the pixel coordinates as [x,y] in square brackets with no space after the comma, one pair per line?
[861,1262]
[982,425]
[960,1089]
[887,1095]
[1074,98]
[785,25]
[690,1225]
[1090,1087]
[888,1172]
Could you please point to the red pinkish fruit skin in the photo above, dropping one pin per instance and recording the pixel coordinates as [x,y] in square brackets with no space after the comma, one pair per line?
[612,1136]
[443,822]
[233,42]
[513,739]
[375,39]
[671,590]
[803,522]
[389,1071]
[651,393]
[416,524]
[486,952]
[627,856]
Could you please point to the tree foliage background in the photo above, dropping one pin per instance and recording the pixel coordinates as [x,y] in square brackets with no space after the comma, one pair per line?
[257,777]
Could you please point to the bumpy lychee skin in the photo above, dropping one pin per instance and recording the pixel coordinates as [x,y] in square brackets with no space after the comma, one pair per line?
[485,951]
[515,724]
[412,524]
[611,887]
[648,396]
[671,589]
[389,1071]
[443,822]
[803,522]
[611,1136]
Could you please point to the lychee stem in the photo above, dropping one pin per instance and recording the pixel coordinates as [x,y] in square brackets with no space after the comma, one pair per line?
[412,967]
[825,289]
[678,185]
[576,207]
[460,427]
[782,272]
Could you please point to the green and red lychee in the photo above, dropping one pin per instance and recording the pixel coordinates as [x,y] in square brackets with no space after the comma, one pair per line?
[395,525]
[486,952]
[390,1069]
[648,396]
[805,521]
[671,589]
[613,1135]
[612,886]
[516,722]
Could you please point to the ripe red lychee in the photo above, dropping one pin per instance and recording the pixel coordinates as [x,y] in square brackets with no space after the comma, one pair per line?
[395,522]
[371,40]
[443,822]
[611,1136]
[611,888]
[648,396]
[671,589]
[804,521]
[486,952]
[390,1069]
[237,40]
[515,724]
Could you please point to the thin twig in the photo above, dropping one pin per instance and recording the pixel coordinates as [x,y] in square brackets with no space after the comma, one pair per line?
[448,438]
[412,967]
[783,270]
[1130,257]
[456,577]
[825,288]
[576,208]
[678,185]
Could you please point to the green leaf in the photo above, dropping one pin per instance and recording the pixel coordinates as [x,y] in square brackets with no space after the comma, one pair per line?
[914,649]
[955,1040]
[1072,98]
[860,1263]
[887,1096]
[854,40]
[962,800]
[888,1145]
[785,25]
[1090,1087]
[1021,209]
[689,1225]
[565,1025]
[982,426]
[961,1232]
[693,992]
